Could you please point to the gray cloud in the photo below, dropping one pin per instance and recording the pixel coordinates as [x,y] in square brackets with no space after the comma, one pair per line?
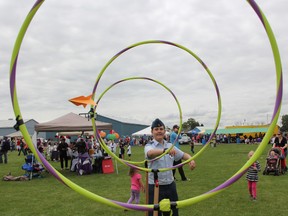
[69,42]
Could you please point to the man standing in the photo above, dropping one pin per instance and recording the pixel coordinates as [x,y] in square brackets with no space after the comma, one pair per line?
[156,147]
[173,140]
[62,148]
[5,147]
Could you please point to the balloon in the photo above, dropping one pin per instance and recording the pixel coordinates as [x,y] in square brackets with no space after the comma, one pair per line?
[102,134]
[111,137]
[116,135]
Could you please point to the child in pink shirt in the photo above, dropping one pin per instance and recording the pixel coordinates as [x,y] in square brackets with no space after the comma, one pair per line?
[136,185]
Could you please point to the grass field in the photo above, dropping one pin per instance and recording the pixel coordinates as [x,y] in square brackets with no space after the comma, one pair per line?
[46,196]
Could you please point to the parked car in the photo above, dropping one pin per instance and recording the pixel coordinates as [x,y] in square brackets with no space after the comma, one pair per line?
[185,139]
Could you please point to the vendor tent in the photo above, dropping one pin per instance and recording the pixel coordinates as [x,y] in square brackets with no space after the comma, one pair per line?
[71,122]
[197,130]
[238,130]
[146,131]
[15,134]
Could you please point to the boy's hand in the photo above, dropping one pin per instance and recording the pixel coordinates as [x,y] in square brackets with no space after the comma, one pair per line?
[192,165]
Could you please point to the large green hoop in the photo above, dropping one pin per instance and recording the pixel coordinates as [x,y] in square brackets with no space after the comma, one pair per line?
[180,204]
[180,112]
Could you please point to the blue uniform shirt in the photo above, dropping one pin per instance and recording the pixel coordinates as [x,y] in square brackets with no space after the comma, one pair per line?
[173,137]
[166,161]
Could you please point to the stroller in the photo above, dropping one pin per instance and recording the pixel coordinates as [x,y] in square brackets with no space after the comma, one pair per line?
[273,162]
[32,167]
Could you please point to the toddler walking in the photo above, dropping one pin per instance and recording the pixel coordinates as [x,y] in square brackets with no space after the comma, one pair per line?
[252,177]
[136,185]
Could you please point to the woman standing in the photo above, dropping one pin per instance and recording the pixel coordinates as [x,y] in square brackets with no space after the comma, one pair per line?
[281,142]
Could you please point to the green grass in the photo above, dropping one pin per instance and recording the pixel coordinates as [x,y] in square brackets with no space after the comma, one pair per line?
[46,196]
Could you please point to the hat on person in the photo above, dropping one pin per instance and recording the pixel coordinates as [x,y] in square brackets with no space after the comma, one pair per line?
[175,126]
[157,123]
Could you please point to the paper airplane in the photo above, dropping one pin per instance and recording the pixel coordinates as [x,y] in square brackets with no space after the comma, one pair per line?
[82,100]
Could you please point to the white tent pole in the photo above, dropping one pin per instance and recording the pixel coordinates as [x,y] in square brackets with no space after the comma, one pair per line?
[116,165]
[34,139]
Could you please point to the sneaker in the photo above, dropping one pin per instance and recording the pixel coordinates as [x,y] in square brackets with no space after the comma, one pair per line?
[254,199]
[187,179]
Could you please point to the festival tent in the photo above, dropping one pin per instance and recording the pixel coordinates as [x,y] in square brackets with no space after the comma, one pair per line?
[15,134]
[146,131]
[194,131]
[245,130]
[71,122]
[197,130]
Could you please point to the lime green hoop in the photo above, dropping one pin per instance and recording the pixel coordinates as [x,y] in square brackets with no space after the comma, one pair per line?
[101,141]
[180,123]
[180,204]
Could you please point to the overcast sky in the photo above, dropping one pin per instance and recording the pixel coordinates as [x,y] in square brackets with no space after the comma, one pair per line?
[69,42]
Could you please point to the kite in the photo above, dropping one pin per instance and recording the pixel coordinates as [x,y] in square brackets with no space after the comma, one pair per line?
[82,100]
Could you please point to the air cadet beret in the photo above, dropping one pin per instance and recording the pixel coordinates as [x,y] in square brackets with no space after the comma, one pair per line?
[157,123]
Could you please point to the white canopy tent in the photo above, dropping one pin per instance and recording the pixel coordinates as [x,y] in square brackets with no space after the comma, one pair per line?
[145,131]
[15,134]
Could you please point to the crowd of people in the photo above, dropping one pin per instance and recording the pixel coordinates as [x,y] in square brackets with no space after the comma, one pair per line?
[85,145]
[228,138]
[275,162]
[158,144]
[63,149]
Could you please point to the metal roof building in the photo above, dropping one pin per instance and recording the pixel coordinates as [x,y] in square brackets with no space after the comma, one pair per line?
[7,126]
[122,128]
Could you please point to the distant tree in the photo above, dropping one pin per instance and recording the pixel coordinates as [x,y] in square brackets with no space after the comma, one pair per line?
[284,123]
[190,124]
